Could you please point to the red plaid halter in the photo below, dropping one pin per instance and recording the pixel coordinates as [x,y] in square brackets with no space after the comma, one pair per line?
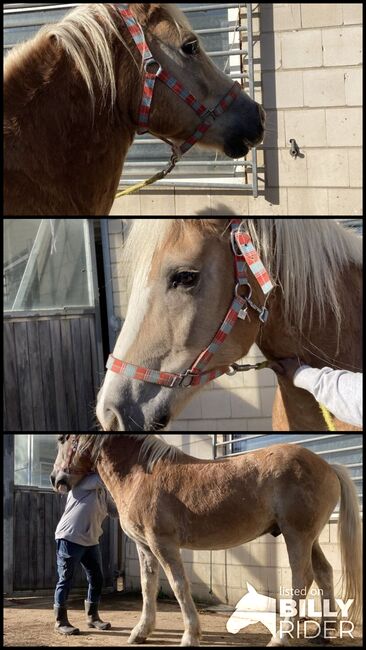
[244,255]
[67,464]
[207,115]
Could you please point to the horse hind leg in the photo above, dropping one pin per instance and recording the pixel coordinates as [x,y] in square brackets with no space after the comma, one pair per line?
[324,579]
[171,561]
[149,567]
[300,555]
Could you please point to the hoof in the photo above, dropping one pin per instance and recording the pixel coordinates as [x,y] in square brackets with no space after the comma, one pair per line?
[136,640]
[189,642]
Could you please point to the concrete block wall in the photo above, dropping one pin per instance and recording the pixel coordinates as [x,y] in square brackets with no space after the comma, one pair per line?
[222,576]
[241,403]
[308,67]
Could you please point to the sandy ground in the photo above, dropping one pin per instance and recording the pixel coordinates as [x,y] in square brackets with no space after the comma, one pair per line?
[29,622]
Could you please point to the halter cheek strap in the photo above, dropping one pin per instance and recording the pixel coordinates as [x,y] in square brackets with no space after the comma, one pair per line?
[245,256]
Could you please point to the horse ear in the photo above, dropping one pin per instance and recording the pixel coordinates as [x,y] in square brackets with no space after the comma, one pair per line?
[251,589]
[143,11]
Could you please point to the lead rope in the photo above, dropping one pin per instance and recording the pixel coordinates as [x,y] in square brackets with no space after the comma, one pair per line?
[150,181]
[327,416]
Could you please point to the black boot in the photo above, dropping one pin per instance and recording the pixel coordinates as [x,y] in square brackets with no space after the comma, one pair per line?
[62,622]
[93,620]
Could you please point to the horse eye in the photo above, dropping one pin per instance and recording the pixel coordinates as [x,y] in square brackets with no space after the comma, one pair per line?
[191,47]
[185,279]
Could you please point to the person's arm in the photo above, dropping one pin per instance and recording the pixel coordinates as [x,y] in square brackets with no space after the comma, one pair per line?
[339,391]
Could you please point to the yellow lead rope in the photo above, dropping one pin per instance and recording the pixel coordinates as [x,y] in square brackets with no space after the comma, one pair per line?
[328,418]
[150,181]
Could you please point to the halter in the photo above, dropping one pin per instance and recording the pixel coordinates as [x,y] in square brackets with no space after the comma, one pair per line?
[244,255]
[207,116]
[66,465]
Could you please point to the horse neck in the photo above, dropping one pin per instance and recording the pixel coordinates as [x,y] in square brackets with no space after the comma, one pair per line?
[320,343]
[119,458]
[63,134]
[295,409]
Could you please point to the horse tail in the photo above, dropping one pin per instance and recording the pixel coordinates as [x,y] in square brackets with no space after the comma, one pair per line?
[349,532]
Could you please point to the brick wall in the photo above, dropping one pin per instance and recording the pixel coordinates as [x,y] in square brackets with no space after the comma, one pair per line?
[263,563]
[241,403]
[308,69]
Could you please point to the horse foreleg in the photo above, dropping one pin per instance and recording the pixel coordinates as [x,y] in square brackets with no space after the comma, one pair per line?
[149,566]
[171,561]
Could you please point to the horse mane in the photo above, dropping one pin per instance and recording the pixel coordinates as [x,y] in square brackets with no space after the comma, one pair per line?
[152,449]
[86,34]
[305,257]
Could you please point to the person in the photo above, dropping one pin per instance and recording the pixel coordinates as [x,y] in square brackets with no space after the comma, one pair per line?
[340,391]
[77,541]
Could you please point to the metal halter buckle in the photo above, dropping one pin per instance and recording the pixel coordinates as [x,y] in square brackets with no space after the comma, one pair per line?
[183,381]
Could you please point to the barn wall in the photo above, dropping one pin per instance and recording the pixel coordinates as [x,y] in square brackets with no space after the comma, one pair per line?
[263,563]
[309,66]
[242,403]
[44,358]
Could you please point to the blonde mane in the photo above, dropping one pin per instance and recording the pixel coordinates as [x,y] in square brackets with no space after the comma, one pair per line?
[86,33]
[304,257]
[153,449]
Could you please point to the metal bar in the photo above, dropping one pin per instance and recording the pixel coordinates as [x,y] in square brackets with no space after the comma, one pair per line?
[208,7]
[189,185]
[252,92]
[62,6]
[229,52]
[67,312]
[35,9]
[89,266]
[220,30]
[112,332]
[192,163]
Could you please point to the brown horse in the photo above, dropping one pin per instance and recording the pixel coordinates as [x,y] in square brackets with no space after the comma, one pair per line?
[72,101]
[170,501]
[183,282]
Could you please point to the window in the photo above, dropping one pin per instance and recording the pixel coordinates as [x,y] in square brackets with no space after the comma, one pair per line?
[46,264]
[339,448]
[34,457]
[226,33]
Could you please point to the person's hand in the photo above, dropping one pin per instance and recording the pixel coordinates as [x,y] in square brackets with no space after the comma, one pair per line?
[286,368]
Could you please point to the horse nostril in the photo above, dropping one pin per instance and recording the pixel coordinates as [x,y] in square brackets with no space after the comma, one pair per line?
[52,479]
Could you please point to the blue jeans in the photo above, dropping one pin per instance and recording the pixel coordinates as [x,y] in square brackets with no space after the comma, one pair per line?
[68,556]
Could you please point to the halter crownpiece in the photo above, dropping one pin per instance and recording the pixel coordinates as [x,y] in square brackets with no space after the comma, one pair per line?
[244,255]
[207,116]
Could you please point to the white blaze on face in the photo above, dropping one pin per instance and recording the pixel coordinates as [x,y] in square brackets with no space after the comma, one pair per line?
[137,310]
[136,313]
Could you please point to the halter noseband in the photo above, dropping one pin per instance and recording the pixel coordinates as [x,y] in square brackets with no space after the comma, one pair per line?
[244,255]
[207,116]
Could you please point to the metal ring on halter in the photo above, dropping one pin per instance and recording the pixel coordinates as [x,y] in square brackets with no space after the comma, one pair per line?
[152,61]
[244,283]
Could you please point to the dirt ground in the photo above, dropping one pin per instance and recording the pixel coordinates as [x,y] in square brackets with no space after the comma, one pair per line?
[29,622]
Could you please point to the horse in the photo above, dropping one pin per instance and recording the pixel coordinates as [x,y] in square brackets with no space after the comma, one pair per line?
[182,279]
[168,501]
[76,95]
